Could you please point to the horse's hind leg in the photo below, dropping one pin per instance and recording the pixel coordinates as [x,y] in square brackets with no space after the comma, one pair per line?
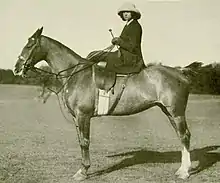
[181,128]
[184,134]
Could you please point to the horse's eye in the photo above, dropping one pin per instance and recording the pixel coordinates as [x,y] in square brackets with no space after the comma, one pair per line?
[31,42]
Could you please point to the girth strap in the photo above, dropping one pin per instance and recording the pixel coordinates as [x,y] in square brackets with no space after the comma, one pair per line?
[112,108]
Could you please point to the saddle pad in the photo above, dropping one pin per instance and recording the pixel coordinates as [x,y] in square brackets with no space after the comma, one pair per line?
[103,102]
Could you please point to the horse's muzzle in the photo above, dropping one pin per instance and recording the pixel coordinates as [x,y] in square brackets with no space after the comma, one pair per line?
[19,65]
[21,69]
[18,70]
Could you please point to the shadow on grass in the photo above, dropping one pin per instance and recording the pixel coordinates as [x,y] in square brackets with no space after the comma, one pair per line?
[205,158]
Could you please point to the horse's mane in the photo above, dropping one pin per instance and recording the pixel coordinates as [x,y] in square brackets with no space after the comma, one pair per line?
[67,49]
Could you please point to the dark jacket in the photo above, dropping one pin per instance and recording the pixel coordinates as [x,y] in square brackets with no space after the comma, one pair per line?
[130,43]
[130,60]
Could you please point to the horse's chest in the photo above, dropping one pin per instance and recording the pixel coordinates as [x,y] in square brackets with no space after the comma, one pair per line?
[78,97]
[70,96]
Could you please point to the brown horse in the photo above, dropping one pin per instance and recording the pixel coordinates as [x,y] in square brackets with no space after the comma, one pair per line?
[48,83]
[155,85]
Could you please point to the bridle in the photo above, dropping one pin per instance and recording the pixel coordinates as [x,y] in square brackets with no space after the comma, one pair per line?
[27,66]
[74,69]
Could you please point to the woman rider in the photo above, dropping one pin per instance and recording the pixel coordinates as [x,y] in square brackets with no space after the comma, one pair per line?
[128,58]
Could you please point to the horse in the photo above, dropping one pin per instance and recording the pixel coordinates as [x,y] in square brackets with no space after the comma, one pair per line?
[155,85]
[48,83]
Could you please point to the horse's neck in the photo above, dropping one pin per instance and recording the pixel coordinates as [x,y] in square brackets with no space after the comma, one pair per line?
[58,56]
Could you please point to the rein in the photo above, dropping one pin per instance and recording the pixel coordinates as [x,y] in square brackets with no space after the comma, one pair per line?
[59,75]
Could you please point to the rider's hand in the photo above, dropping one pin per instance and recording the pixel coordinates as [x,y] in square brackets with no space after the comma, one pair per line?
[116,41]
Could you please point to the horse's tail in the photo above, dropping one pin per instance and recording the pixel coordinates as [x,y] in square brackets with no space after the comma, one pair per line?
[191,70]
[190,73]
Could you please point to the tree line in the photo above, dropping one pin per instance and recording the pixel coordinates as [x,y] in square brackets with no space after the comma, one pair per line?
[33,78]
[204,79]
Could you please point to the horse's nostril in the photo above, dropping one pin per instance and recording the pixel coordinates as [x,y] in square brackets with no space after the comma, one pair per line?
[15,70]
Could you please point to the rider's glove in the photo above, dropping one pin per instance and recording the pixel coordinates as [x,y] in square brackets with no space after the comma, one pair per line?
[116,41]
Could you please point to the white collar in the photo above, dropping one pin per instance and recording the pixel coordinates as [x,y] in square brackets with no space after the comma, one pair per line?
[129,21]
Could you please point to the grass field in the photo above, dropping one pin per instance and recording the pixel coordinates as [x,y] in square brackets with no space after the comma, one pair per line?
[38,145]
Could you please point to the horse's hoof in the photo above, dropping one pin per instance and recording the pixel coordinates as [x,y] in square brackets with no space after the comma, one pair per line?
[79,176]
[182,174]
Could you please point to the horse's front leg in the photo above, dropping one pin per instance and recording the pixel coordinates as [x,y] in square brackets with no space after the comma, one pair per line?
[46,96]
[83,131]
[41,93]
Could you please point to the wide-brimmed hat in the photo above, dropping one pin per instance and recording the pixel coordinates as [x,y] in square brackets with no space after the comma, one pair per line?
[129,7]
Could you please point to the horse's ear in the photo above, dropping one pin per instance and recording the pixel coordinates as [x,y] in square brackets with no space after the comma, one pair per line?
[37,33]
[40,30]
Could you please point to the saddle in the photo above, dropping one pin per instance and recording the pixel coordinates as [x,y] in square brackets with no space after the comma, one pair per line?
[105,72]
[104,79]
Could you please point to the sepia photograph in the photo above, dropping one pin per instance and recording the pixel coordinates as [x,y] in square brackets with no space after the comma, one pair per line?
[120,91]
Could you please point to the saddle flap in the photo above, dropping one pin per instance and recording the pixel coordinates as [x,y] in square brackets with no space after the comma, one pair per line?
[103,78]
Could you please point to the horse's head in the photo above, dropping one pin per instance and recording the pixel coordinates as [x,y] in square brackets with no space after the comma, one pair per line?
[30,55]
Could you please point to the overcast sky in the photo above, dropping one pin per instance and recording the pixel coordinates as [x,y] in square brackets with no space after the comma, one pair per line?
[175,32]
